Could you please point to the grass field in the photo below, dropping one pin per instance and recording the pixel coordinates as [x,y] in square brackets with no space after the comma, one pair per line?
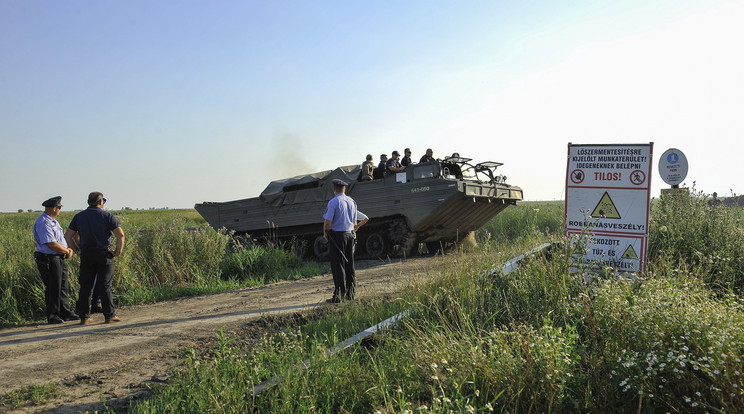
[167,254]
[537,340]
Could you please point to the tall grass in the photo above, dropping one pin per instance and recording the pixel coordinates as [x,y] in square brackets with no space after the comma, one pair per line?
[536,340]
[694,229]
[260,264]
[21,289]
[168,253]
[528,219]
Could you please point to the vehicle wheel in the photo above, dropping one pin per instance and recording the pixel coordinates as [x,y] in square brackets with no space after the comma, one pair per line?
[375,245]
[321,248]
[398,231]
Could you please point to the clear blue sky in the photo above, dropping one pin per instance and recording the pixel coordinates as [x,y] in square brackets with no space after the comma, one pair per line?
[170,103]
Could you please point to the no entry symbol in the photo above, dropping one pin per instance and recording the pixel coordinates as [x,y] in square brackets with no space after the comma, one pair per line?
[637,177]
[577,176]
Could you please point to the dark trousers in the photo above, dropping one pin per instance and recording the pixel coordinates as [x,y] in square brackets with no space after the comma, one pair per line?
[97,292]
[96,266]
[344,277]
[54,274]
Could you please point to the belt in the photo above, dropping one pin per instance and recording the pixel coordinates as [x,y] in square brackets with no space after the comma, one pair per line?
[49,254]
[343,232]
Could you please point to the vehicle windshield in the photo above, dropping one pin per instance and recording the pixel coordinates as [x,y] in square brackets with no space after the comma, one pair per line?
[425,171]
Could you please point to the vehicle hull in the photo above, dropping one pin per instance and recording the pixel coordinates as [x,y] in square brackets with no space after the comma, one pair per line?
[422,205]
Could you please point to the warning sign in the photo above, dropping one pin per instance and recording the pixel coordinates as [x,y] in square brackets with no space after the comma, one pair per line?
[607,196]
[605,250]
[606,208]
[630,253]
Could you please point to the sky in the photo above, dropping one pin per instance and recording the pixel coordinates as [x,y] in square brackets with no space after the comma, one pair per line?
[172,103]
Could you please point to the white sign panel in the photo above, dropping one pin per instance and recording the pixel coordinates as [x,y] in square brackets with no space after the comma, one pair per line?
[607,201]
[624,253]
[673,166]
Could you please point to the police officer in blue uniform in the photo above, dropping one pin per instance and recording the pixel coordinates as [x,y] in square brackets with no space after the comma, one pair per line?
[89,235]
[51,253]
[339,227]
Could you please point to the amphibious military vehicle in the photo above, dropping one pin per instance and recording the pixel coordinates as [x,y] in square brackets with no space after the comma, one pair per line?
[432,204]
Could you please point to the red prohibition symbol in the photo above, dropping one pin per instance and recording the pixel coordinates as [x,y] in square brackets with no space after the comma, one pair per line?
[577,176]
[637,177]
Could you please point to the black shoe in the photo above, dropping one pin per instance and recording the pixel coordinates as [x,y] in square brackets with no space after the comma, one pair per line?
[333,300]
[96,309]
[71,317]
[54,320]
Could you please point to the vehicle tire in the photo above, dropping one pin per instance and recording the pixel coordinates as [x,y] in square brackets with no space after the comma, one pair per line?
[321,248]
[375,245]
[398,231]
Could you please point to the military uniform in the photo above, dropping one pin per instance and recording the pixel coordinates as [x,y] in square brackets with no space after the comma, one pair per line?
[52,265]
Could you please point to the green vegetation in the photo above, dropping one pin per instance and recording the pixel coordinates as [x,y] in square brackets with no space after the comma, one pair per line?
[536,340]
[703,233]
[31,395]
[528,219]
[167,254]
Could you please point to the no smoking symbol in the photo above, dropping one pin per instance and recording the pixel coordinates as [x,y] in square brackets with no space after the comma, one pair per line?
[637,177]
[577,176]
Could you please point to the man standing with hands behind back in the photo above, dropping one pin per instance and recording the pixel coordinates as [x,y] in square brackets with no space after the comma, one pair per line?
[50,256]
[339,224]
[89,235]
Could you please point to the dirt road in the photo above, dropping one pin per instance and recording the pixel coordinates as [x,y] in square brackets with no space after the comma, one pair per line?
[117,362]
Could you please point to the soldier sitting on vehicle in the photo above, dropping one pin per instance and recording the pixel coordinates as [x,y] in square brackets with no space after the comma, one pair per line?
[450,166]
[368,168]
[393,165]
[379,172]
[428,157]
[406,160]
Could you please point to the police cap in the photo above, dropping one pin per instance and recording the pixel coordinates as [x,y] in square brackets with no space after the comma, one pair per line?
[339,183]
[53,202]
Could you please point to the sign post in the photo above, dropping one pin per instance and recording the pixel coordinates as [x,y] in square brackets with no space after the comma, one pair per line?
[672,169]
[608,188]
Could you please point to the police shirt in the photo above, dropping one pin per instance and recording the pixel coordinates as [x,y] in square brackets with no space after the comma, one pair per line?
[47,230]
[94,226]
[341,212]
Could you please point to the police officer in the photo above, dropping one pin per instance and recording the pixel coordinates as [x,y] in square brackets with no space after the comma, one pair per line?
[51,253]
[89,234]
[339,227]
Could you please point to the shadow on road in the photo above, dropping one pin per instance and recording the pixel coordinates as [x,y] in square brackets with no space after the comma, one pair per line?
[80,330]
